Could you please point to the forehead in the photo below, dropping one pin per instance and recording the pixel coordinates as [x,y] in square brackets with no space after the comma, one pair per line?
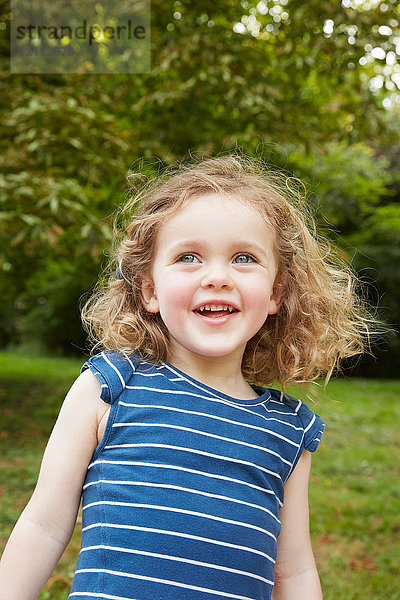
[217,217]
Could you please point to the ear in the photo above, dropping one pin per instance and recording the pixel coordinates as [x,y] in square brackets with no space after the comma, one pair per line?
[276,298]
[149,296]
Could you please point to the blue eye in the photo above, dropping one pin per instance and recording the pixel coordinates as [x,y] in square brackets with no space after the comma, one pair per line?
[243,258]
[188,258]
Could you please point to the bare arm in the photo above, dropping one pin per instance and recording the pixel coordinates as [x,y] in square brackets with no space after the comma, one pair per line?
[46,525]
[296,575]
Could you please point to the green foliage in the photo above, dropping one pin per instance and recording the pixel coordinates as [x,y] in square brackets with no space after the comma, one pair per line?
[355,192]
[349,181]
[44,304]
[376,256]
[283,86]
[54,213]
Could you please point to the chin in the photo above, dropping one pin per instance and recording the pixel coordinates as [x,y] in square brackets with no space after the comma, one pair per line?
[217,352]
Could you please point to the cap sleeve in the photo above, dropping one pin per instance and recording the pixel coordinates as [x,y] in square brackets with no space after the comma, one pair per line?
[113,370]
[313,427]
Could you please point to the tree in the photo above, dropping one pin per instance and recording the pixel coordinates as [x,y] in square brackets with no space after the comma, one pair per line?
[289,80]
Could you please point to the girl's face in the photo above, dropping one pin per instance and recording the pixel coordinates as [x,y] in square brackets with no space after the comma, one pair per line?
[212,278]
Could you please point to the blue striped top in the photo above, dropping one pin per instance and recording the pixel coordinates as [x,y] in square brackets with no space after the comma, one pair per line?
[182,495]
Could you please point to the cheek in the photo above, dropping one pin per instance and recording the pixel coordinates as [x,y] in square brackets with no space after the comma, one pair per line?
[257,297]
[175,296]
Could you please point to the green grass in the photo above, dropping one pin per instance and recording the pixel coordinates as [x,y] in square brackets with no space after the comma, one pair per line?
[31,393]
[354,489]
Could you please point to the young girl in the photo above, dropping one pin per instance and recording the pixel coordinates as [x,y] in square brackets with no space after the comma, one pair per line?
[194,478]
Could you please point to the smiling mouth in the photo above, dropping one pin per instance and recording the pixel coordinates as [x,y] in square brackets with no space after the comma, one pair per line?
[216,311]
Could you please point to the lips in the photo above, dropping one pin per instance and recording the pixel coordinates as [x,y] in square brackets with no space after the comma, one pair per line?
[215,310]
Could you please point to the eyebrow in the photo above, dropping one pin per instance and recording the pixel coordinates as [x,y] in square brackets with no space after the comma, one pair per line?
[235,246]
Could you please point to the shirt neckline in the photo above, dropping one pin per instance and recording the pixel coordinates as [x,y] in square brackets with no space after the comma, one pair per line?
[264,394]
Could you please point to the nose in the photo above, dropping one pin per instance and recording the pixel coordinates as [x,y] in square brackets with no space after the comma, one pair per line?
[217,277]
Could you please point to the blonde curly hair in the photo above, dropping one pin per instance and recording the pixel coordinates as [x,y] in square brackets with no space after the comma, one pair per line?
[321,320]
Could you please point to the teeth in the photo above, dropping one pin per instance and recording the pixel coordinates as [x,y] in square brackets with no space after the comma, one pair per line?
[216,307]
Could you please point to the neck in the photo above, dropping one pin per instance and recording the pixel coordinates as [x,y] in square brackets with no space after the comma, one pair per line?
[219,373]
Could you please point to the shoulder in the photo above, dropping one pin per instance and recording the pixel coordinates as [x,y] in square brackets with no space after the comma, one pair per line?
[83,401]
[301,416]
[113,371]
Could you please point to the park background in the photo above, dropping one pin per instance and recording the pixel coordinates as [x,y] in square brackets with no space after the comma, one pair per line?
[312,88]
